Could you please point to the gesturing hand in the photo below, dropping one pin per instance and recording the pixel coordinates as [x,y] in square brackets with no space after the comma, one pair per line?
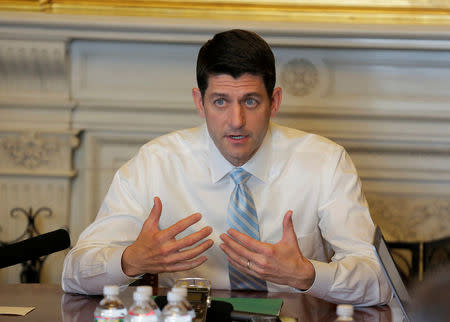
[156,251]
[281,263]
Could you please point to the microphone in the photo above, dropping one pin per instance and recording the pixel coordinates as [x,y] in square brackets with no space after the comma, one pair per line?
[34,247]
[219,311]
[250,317]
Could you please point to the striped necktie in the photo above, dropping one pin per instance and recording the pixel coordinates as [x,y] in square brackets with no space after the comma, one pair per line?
[242,217]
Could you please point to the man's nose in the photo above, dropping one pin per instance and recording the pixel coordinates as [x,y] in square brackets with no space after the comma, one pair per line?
[237,116]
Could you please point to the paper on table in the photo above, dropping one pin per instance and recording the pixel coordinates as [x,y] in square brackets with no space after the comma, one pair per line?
[254,305]
[15,310]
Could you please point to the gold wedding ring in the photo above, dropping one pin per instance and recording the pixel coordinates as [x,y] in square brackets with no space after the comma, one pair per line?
[248,264]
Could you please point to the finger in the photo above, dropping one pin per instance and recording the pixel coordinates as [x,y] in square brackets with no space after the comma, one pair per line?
[193,238]
[173,245]
[255,259]
[231,254]
[161,258]
[251,271]
[246,240]
[183,266]
[236,250]
[188,254]
[155,213]
[180,226]
[288,228]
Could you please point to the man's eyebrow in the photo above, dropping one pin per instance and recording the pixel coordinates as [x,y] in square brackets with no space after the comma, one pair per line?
[219,95]
[255,94]
[246,95]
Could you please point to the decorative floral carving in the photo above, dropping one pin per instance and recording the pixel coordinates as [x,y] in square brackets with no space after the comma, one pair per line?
[299,77]
[30,150]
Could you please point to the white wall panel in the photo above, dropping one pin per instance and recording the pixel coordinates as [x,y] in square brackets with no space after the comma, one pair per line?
[133,71]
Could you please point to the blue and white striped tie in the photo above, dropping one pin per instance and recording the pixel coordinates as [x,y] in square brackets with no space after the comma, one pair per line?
[242,217]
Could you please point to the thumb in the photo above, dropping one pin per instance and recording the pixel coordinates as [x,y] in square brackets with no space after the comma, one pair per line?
[288,228]
[155,213]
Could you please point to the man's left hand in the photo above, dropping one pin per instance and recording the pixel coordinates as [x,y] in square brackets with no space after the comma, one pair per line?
[281,263]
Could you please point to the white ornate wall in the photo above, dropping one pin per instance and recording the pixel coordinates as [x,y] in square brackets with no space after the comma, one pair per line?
[79,95]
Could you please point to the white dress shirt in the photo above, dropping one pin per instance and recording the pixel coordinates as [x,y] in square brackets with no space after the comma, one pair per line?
[292,170]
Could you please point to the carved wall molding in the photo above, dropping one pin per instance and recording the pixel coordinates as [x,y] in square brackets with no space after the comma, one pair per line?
[411,218]
[378,84]
[39,153]
[40,26]
[33,68]
[372,134]
[30,150]
[412,12]
[299,77]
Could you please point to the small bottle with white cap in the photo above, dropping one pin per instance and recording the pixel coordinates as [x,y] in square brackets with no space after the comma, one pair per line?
[344,312]
[146,289]
[144,309]
[187,305]
[174,311]
[110,307]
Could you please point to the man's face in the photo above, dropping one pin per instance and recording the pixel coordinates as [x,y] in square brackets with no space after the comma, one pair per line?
[237,113]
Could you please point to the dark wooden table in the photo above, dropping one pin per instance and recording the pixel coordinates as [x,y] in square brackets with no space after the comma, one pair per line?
[51,304]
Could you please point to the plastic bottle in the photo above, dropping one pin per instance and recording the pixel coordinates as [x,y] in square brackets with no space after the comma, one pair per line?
[187,305]
[174,311]
[142,309]
[344,312]
[110,308]
[149,290]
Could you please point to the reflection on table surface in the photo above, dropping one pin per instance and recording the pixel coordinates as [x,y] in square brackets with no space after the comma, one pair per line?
[52,304]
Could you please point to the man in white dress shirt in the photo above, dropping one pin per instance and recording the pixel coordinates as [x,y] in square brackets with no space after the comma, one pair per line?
[166,209]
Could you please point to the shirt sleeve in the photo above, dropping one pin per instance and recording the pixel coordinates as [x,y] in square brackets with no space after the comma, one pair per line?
[354,274]
[95,260]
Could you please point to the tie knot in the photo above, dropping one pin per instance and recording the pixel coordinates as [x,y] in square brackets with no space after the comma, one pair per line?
[240,176]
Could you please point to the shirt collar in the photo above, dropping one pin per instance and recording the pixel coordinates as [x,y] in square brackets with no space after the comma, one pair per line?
[258,165]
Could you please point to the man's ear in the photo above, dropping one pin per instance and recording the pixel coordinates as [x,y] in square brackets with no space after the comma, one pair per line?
[276,101]
[198,101]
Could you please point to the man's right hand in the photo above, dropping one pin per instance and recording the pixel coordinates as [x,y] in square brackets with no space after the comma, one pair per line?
[156,251]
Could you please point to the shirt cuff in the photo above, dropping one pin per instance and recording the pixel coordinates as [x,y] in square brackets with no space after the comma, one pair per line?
[114,268]
[322,281]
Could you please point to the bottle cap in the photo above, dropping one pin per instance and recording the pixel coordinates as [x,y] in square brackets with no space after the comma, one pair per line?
[139,296]
[145,290]
[344,310]
[110,290]
[173,297]
[180,290]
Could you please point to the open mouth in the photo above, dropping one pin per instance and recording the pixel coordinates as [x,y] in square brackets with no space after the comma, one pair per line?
[237,137]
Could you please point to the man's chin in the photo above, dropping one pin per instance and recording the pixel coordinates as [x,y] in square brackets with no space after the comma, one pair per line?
[238,159]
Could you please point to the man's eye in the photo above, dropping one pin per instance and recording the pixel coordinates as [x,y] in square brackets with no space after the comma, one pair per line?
[219,102]
[251,102]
